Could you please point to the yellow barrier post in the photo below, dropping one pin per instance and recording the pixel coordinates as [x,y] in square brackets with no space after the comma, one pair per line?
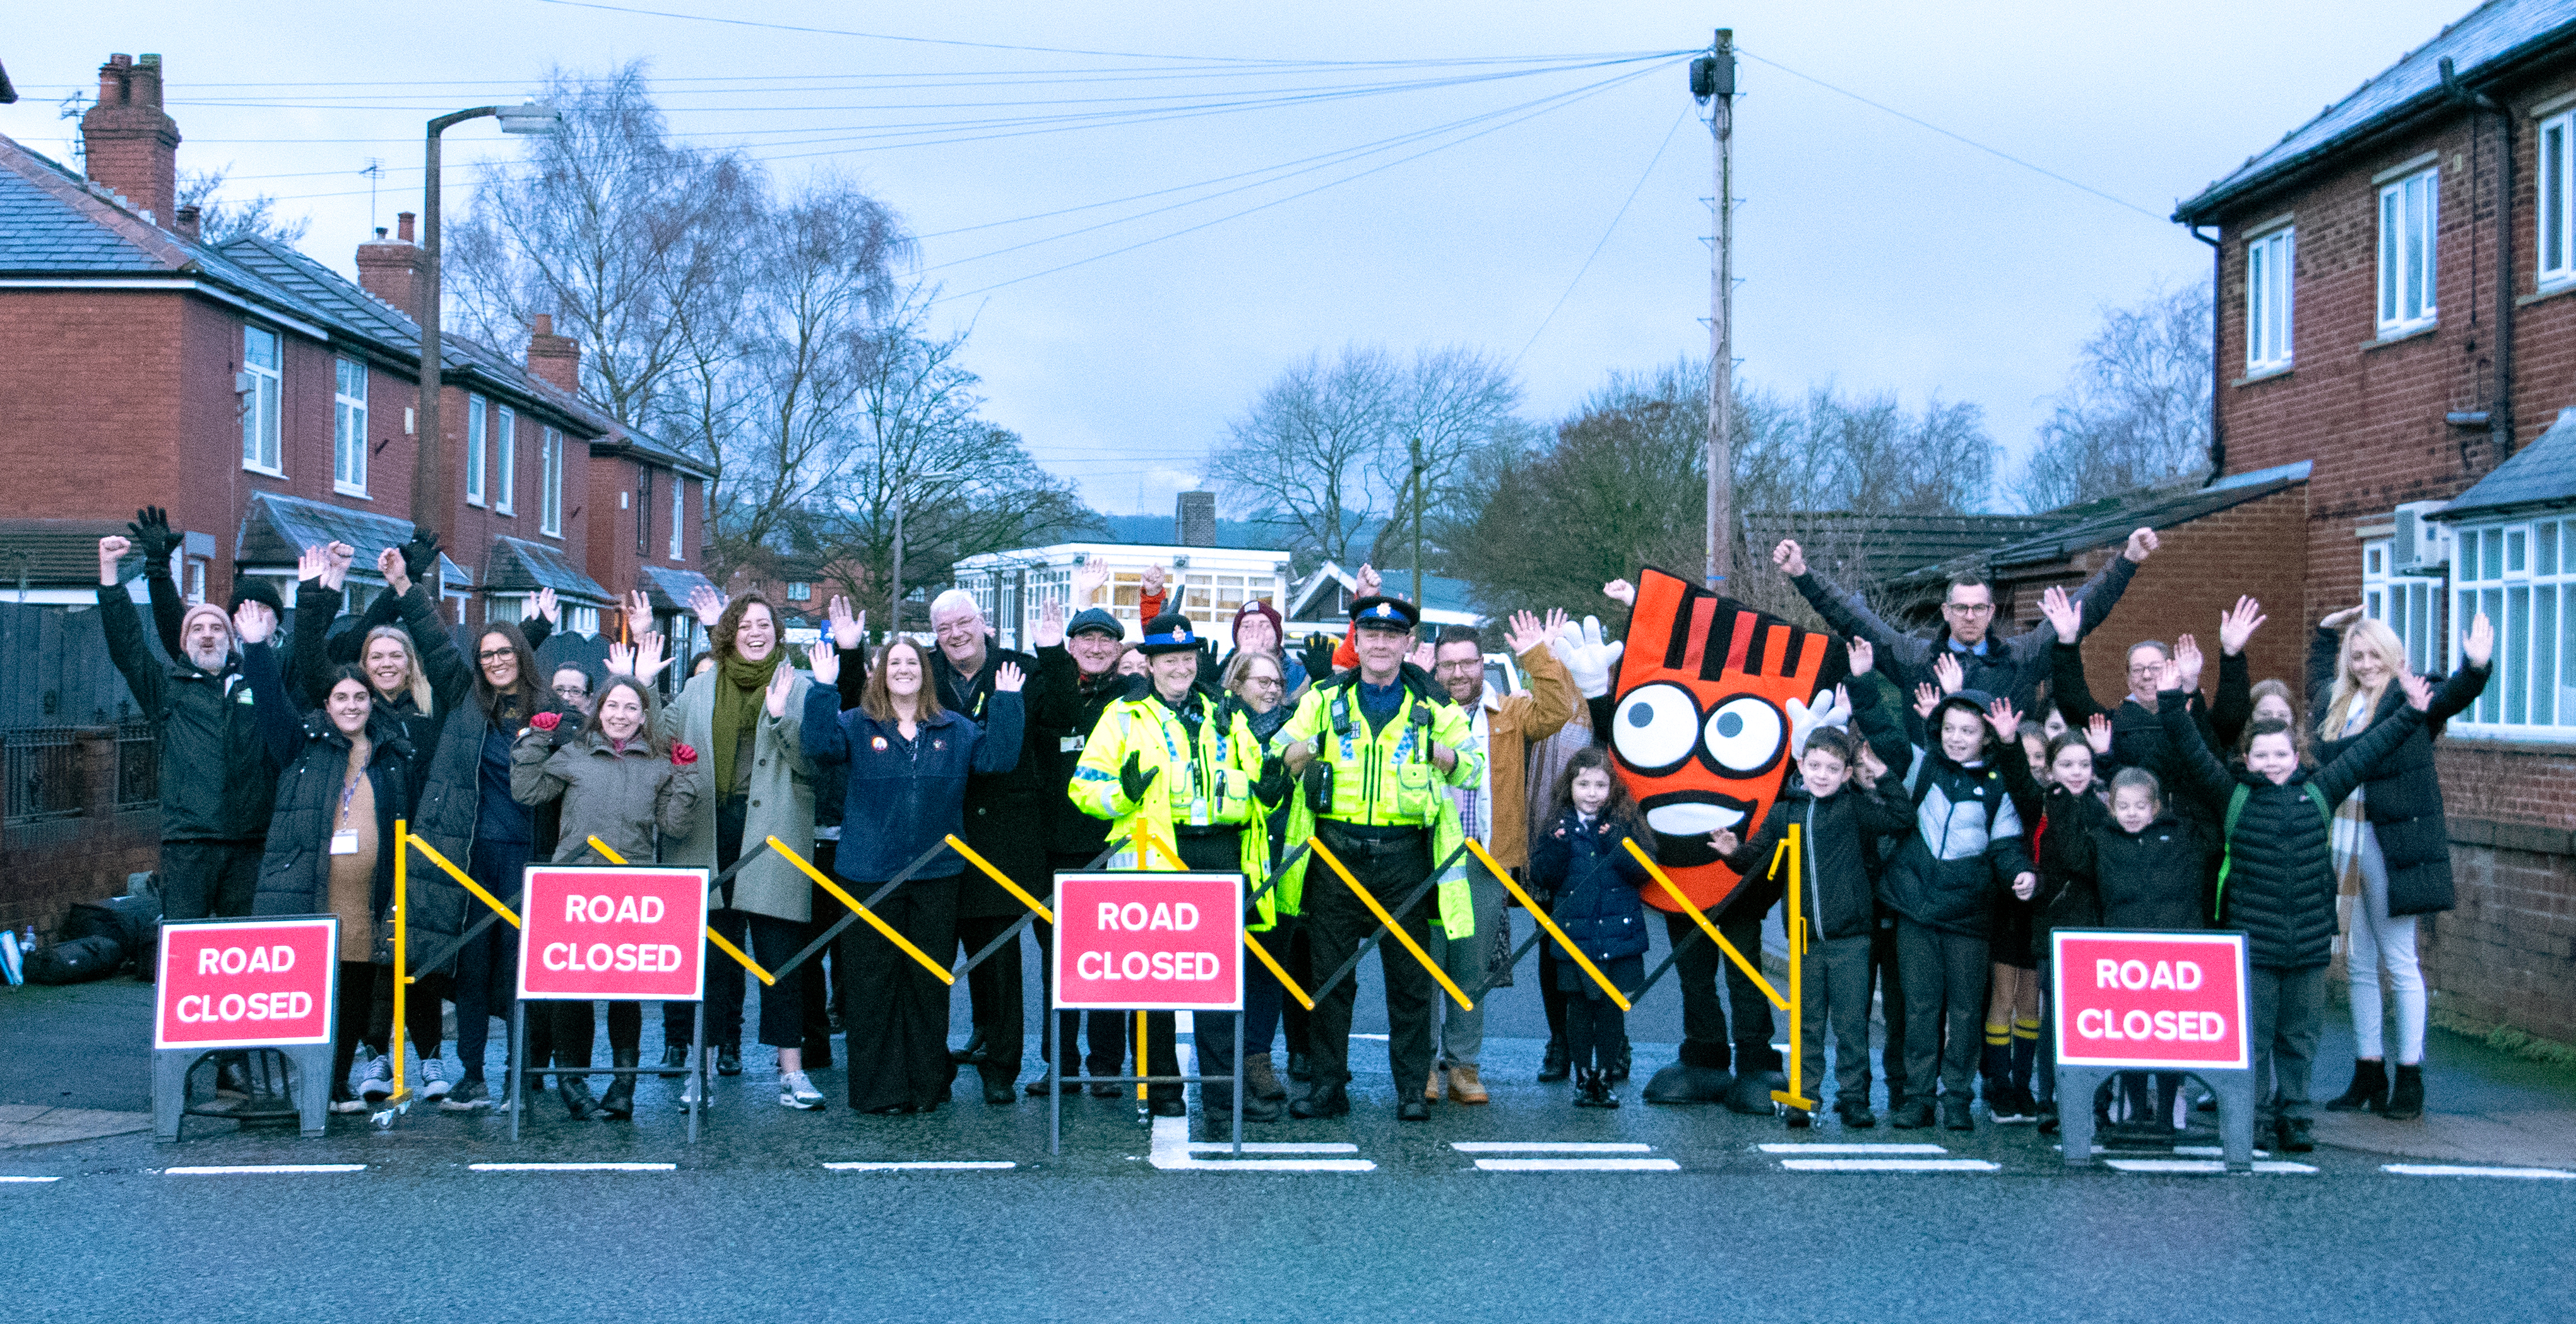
[1141,1068]
[1277,970]
[402,1092]
[1675,892]
[1796,1095]
[1539,913]
[712,936]
[861,911]
[997,876]
[1393,928]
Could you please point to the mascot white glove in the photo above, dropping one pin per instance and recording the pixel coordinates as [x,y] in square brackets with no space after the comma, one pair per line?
[1587,659]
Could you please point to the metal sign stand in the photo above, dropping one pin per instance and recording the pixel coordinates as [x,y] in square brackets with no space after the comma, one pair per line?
[2234,1088]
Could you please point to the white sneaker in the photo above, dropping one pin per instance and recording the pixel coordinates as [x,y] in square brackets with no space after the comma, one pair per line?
[348,1105]
[379,1080]
[795,1091]
[433,1079]
[689,1094]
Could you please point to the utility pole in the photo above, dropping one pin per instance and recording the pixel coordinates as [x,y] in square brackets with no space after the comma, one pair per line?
[1713,85]
[1417,523]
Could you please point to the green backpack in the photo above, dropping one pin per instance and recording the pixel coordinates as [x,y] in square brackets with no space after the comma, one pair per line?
[2236,810]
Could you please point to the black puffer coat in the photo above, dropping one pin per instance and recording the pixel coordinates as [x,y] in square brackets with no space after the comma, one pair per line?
[2149,879]
[2066,898]
[2280,885]
[1835,878]
[295,870]
[1063,712]
[2403,797]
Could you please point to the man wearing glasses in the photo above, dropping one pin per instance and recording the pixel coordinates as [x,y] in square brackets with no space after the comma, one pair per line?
[2009,667]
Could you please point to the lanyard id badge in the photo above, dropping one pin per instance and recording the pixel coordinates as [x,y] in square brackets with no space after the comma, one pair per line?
[344,842]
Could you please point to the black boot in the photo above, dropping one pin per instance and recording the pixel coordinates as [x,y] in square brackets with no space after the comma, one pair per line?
[2368,1091]
[2406,1097]
[1619,1065]
[575,1093]
[1553,1067]
[972,1053]
[1327,1099]
[619,1102]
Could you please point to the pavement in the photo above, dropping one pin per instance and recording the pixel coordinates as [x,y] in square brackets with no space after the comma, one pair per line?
[1524,1209]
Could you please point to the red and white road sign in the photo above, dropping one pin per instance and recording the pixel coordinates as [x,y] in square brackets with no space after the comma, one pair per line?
[1145,941]
[2152,1001]
[625,934]
[247,983]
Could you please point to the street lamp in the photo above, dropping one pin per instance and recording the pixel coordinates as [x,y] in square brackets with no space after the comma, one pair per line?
[428,488]
[894,609]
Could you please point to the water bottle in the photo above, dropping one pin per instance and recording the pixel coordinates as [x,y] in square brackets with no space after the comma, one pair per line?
[27,942]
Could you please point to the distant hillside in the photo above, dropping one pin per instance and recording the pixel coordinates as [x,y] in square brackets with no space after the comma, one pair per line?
[1158,529]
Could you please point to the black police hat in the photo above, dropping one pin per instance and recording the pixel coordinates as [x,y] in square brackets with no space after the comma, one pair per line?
[1381,612]
[1168,633]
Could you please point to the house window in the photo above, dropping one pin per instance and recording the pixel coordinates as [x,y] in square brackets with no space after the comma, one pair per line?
[259,403]
[2556,185]
[2410,603]
[505,462]
[192,585]
[679,493]
[2267,300]
[643,510]
[2409,216]
[2520,576]
[581,620]
[474,483]
[550,491]
[349,427]
[799,591]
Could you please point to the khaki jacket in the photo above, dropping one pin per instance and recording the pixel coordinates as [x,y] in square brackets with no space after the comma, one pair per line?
[1513,724]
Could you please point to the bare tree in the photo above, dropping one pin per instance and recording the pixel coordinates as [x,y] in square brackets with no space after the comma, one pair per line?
[1309,454]
[2136,410]
[219,220]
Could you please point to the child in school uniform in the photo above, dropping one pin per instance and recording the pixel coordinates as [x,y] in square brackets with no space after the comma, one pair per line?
[1580,861]
[1843,807]
[2071,803]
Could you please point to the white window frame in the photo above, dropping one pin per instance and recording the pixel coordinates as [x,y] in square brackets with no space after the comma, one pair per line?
[2410,231]
[474,459]
[550,483]
[349,427]
[2411,604]
[2527,589]
[679,514]
[578,619]
[799,590]
[2554,184]
[505,460]
[2270,281]
[263,445]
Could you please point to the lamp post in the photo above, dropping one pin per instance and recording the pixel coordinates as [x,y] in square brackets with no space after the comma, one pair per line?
[428,486]
[894,608]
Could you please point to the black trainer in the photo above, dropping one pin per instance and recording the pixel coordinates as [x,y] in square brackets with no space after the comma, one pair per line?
[1328,1100]
[1912,1115]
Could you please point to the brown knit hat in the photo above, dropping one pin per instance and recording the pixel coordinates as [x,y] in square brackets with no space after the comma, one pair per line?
[1260,607]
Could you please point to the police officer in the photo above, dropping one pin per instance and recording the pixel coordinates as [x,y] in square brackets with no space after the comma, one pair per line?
[1377,748]
[1179,760]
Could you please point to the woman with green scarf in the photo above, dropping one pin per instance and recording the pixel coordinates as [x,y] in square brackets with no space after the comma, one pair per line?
[748,713]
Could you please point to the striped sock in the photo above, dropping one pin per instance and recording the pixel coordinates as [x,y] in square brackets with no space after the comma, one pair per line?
[2025,1051]
[1998,1063]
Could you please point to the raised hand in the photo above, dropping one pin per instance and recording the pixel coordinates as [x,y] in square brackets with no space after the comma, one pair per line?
[639,614]
[649,658]
[1927,697]
[1790,557]
[1864,655]
[1724,841]
[1587,659]
[2237,626]
[111,549]
[2097,733]
[1050,627]
[389,563]
[780,682]
[2339,620]
[825,662]
[848,632]
[548,607]
[546,721]
[420,556]
[2142,544]
[2187,657]
[1366,582]
[1089,578]
[1525,632]
[2005,719]
[707,603]
[1622,592]
[2419,691]
[1153,579]
[621,659]
[2063,613]
[2168,675]
[1946,669]
[254,621]
[2477,643]
[1007,678]
[337,573]
[1834,710]
[1134,777]
[315,561]
[1421,655]
[151,532]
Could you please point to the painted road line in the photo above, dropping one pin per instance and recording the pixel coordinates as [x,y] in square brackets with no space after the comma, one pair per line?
[1794,1147]
[1577,1165]
[231,1169]
[955,1165]
[2193,1166]
[4,1180]
[2199,1151]
[1889,1165]
[573,1167]
[2456,1170]
[1548,1147]
[1172,1146]
[1272,1147]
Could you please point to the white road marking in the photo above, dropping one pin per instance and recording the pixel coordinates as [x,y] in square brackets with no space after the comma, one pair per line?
[1172,1146]
[5,1179]
[2190,1165]
[573,1167]
[1577,1165]
[1548,1147]
[2202,1151]
[1890,1165]
[1379,1037]
[1792,1147]
[1271,1147]
[957,1165]
[2457,1170]
[228,1169]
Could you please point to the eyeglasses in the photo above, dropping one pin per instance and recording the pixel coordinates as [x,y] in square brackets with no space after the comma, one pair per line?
[2145,669]
[1263,680]
[571,692]
[496,654]
[1969,608]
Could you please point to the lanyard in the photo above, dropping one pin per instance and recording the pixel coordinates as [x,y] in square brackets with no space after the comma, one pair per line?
[349,791]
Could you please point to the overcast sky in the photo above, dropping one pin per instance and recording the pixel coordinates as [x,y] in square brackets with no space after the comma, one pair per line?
[1872,251]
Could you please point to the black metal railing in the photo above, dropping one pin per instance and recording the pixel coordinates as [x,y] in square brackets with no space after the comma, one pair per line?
[43,767]
[138,766]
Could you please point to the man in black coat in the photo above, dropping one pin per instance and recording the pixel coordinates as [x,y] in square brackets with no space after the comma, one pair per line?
[1077,681]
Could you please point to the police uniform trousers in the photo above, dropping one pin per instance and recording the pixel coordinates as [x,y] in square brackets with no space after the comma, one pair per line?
[1390,862]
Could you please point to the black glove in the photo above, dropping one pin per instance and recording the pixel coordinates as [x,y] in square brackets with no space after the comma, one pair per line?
[420,556]
[152,536]
[1272,786]
[1133,779]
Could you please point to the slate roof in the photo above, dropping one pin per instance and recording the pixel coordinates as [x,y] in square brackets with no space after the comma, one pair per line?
[516,565]
[2493,41]
[2110,519]
[668,588]
[2540,474]
[52,553]
[1853,548]
[277,528]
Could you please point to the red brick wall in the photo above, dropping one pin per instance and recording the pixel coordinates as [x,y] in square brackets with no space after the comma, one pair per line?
[2507,956]
[45,867]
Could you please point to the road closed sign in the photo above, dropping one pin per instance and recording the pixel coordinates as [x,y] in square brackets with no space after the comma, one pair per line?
[2153,1001]
[627,935]
[1143,941]
[247,983]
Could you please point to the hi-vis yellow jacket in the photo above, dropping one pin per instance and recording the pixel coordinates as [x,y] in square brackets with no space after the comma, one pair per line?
[1205,781]
[1385,778]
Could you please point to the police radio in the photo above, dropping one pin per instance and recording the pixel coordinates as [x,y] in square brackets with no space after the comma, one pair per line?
[1319,786]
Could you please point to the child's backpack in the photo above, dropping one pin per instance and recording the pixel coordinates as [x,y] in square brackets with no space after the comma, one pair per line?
[2227,837]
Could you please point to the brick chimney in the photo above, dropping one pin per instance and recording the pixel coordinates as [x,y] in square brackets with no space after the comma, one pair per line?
[393,269]
[132,147]
[552,357]
[187,228]
[1194,520]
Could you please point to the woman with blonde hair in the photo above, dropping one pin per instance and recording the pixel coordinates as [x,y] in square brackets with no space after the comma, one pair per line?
[2392,854]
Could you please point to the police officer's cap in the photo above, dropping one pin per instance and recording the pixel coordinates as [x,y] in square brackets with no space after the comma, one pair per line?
[1381,612]
[1168,633]
[1093,618]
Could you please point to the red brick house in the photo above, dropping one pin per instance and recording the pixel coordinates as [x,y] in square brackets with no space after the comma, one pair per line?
[2391,282]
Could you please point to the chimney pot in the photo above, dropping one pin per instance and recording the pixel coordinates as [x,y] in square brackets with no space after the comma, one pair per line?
[402,226]
[545,324]
[551,357]
[1194,519]
[380,234]
[127,142]
[188,218]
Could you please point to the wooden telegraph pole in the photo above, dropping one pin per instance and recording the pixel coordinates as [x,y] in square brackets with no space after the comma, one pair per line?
[1713,84]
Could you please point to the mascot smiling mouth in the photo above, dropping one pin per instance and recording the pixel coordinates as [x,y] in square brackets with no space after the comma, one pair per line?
[1693,813]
